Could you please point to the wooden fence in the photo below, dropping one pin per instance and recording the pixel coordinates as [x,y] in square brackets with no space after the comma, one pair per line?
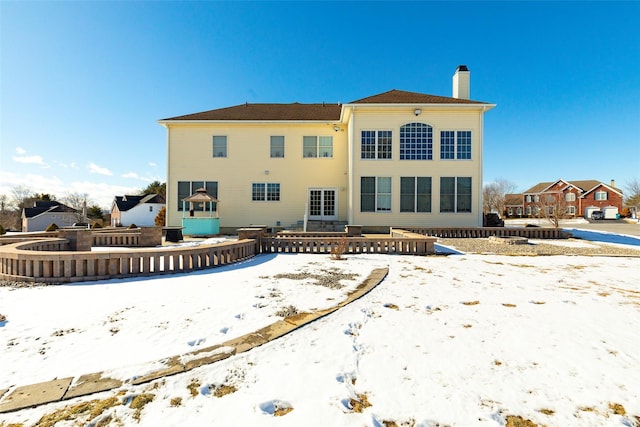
[479,232]
[401,242]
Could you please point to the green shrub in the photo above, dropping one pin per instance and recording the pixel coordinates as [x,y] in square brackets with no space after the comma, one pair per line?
[52,227]
[96,225]
[2,230]
[132,226]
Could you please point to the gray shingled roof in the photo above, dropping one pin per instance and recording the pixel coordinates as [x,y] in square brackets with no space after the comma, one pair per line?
[126,202]
[41,206]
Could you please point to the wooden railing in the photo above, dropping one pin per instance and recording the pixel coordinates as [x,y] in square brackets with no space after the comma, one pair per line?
[417,245]
[129,239]
[478,232]
[45,261]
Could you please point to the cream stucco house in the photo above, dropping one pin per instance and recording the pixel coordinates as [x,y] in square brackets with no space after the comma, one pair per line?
[393,159]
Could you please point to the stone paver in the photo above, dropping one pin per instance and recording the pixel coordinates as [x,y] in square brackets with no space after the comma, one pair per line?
[91,383]
[61,389]
[35,394]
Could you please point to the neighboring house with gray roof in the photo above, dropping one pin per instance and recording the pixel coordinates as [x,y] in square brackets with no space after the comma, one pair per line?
[140,210]
[44,213]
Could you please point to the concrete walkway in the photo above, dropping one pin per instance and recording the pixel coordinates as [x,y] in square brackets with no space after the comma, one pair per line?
[57,390]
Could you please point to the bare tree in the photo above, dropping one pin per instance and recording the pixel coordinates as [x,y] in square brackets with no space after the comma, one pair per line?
[7,215]
[493,195]
[79,202]
[552,207]
[633,189]
[21,196]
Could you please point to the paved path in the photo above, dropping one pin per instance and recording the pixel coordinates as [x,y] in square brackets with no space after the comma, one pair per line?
[610,226]
[60,389]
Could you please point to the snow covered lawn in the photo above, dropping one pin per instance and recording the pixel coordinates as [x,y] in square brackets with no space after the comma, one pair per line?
[460,340]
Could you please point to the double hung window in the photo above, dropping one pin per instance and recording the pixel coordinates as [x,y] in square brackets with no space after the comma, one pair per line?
[277,146]
[455,145]
[219,146]
[455,194]
[375,194]
[415,194]
[317,146]
[265,192]
[376,144]
[187,188]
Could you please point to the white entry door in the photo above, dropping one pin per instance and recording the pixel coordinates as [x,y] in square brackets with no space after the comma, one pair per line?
[323,204]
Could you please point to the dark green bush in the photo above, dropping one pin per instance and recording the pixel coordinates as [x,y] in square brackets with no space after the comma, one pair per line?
[52,227]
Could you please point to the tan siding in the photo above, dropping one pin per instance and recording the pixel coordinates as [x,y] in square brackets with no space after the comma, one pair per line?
[248,157]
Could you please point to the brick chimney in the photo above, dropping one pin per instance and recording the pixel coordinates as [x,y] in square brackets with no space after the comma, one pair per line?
[461,82]
[613,183]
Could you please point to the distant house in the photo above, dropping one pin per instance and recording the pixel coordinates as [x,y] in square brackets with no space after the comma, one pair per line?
[44,213]
[514,205]
[581,198]
[138,210]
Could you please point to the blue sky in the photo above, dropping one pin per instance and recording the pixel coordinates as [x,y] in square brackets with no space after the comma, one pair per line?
[84,83]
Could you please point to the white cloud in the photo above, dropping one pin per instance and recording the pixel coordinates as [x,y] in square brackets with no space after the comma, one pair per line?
[93,168]
[72,165]
[133,175]
[21,150]
[33,160]
[100,193]
[152,164]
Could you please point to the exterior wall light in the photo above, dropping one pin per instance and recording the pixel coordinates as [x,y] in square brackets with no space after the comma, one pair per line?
[417,111]
[336,128]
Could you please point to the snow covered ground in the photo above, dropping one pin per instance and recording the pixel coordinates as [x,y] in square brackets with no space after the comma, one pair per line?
[459,340]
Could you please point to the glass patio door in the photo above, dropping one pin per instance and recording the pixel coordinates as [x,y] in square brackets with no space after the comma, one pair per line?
[322,204]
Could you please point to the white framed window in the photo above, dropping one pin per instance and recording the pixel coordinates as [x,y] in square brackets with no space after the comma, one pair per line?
[455,194]
[570,210]
[219,146]
[265,192]
[317,146]
[375,194]
[529,210]
[600,195]
[536,198]
[416,142]
[455,145]
[415,194]
[376,144]
[276,148]
[570,197]
[527,198]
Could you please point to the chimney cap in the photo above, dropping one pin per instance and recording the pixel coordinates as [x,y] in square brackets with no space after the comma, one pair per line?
[462,68]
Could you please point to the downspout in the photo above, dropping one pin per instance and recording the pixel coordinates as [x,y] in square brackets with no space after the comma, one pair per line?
[168,189]
[350,180]
[479,187]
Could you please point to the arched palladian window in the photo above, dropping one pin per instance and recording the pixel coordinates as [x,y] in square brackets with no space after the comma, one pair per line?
[416,141]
